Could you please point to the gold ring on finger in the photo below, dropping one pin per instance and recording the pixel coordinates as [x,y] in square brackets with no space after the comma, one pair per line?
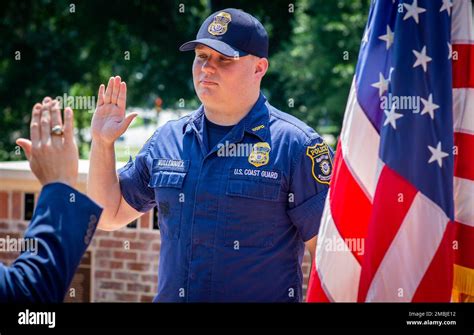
[57,130]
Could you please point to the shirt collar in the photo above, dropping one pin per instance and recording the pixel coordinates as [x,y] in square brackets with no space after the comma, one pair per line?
[256,121]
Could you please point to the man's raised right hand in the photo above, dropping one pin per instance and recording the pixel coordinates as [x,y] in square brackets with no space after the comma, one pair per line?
[109,121]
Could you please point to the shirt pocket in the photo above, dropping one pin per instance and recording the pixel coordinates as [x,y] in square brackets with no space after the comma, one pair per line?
[167,182]
[250,206]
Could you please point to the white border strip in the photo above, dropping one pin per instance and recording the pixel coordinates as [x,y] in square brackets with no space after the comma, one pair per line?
[464,201]
[463,110]
[410,254]
[360,145]
[338,270]
[462,30]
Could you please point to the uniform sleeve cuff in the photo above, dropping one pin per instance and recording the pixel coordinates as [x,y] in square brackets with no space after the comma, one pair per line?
[307,216]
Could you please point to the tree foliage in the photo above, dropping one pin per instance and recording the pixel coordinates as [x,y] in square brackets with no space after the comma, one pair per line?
[62,47]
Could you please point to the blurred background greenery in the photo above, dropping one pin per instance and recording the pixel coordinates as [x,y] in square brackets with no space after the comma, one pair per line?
[52,48]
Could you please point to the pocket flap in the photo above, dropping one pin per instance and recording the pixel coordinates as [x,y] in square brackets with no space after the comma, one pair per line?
[253,189]
[167,179]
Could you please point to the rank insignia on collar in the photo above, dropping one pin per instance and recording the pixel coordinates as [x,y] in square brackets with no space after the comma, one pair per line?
[321,162]
[257,128]
[260,154]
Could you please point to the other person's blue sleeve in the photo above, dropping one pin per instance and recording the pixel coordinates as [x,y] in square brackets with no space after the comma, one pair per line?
[63,224]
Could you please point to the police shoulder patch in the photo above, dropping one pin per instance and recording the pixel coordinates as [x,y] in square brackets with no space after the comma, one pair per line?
[321,162]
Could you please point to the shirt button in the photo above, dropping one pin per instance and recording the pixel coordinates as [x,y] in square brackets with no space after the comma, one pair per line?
[195,240]
[192,276]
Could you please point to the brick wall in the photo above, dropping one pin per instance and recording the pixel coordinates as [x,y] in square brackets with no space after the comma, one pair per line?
[126,262]
[123,264]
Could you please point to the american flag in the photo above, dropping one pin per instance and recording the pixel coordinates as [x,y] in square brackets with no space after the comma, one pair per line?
[462,37]
[400,209]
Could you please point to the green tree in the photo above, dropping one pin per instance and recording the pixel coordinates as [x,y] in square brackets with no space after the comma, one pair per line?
[58,47]
[312,73]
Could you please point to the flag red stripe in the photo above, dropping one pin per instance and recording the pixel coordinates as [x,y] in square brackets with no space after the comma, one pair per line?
[315,291]
[350,207]
[437,282]
[464,254]
[463,166]
[463,66]
[394,195]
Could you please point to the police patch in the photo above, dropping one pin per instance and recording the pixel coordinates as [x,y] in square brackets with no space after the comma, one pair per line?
[321,162]
[219,25]
[260,154]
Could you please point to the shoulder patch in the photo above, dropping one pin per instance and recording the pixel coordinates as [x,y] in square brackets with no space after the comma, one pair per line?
[321,162]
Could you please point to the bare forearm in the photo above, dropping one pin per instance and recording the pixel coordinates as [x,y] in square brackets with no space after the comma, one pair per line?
[102,184]
[311,246]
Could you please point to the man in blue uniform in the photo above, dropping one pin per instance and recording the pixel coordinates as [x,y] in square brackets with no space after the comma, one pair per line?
[239,185]
[64,219]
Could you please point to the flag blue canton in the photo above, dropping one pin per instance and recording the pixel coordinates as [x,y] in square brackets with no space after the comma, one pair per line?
[404,86]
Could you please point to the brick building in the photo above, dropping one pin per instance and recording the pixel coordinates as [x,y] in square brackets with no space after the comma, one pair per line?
[119,266]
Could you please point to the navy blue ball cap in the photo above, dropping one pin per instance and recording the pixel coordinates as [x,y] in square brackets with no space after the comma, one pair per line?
[231,32]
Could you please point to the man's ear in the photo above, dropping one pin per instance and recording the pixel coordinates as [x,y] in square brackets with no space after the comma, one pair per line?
[261,67]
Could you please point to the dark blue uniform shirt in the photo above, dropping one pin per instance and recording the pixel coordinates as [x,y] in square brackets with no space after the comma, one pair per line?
[215,133]
[233,219]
